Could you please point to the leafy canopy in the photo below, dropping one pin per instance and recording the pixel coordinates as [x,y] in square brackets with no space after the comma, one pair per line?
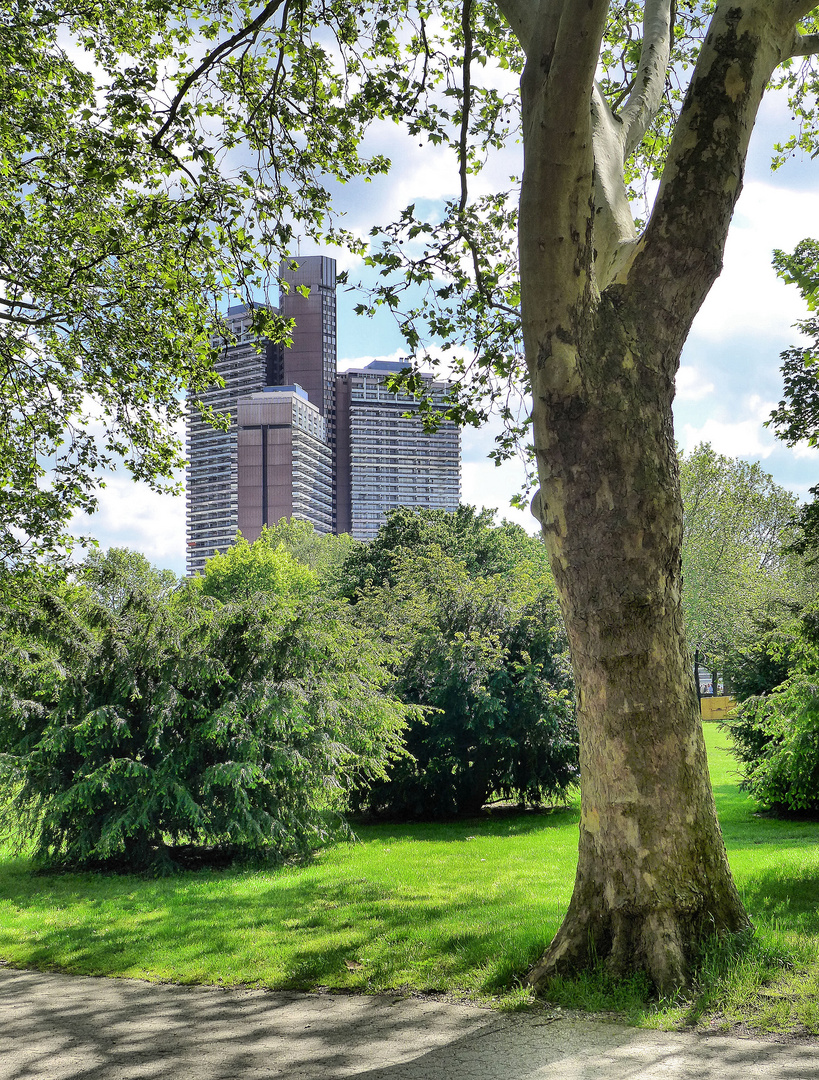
[263,568]
[156,158]
[470,611]
[159,157]
[736,522]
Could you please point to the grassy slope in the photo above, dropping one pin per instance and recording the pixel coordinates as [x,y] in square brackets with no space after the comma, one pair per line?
[461,908]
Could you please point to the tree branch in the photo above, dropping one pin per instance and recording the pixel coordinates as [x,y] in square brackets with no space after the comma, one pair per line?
[805,44]
[557,188]
[649,82]
[212,59]
[613,220]
[466,105]
[522,16]
[680,255]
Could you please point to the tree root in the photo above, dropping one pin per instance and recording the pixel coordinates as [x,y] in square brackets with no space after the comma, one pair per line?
[663,943]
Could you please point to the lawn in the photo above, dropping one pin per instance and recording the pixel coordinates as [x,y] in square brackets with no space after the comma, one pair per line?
[460,909]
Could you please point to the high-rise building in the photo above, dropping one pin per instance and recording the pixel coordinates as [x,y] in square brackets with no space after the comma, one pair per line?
[285,464]
[311,360]
[302,442]
[248,367]
[384,457]
[211,475]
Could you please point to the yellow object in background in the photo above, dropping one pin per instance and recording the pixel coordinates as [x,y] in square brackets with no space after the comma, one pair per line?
[717,708]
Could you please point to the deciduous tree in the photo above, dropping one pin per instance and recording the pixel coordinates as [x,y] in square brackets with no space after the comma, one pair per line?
[606,303]
[796,418]
[736,522]
[470,610]
[125,221]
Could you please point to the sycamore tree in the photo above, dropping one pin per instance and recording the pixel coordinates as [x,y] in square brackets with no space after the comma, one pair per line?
[554,286]
[611,95]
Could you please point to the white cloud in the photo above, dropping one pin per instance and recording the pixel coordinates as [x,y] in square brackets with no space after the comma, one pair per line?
[485,485]
[132,515]
[803,450]
[748,297]
[736,437]
[692,384]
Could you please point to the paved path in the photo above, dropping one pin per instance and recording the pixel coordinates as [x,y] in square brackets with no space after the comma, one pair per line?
[55,1027]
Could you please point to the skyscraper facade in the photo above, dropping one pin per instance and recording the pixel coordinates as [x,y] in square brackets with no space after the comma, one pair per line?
[285,465]
[211,474]
[384,457]
[334,450]
[311,360]
[247,367]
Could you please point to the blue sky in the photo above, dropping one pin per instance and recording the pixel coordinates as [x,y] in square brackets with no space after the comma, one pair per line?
[729,380]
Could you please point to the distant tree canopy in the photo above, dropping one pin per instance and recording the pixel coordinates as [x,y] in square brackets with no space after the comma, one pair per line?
[264,569]
[324,553]
[796,418]
[776,733]
[466,534]
[736,521]
[118,575]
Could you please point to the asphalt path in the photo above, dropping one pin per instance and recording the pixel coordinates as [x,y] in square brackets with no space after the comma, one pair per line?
[59,1027]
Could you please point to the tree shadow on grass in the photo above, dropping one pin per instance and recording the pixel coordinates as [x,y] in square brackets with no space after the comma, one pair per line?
[277,929]
[500,821]
[787,901]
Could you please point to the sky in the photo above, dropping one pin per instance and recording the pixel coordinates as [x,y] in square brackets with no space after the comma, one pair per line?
[728,382]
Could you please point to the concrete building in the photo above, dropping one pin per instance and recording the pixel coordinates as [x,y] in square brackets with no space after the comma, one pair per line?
[211,474]
[384,458]
[247,367]
[285,466]
[302,442]
[311,360]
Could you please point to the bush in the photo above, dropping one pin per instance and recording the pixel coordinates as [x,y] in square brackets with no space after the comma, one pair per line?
[486,658]
[184,720]
[776,737]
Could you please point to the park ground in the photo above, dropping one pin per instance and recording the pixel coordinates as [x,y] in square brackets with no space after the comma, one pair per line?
[458,911]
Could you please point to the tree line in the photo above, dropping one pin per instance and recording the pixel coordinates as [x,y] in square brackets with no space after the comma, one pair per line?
[299,677]
[247,712]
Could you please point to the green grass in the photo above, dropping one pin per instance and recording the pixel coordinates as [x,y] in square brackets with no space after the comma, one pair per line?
[461,909]
[456,908]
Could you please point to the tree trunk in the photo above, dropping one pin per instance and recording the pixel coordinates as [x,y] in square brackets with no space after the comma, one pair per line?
[652,880]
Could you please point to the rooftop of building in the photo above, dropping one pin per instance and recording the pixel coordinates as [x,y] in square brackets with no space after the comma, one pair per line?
[293,388]
[386,367]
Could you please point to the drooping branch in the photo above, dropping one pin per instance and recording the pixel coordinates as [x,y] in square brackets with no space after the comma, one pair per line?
[649,81]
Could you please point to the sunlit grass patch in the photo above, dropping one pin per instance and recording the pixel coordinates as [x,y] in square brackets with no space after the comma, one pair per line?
[462,908]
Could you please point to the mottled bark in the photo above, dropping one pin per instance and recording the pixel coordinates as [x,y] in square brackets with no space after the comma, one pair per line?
[605,316]
[652,878]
